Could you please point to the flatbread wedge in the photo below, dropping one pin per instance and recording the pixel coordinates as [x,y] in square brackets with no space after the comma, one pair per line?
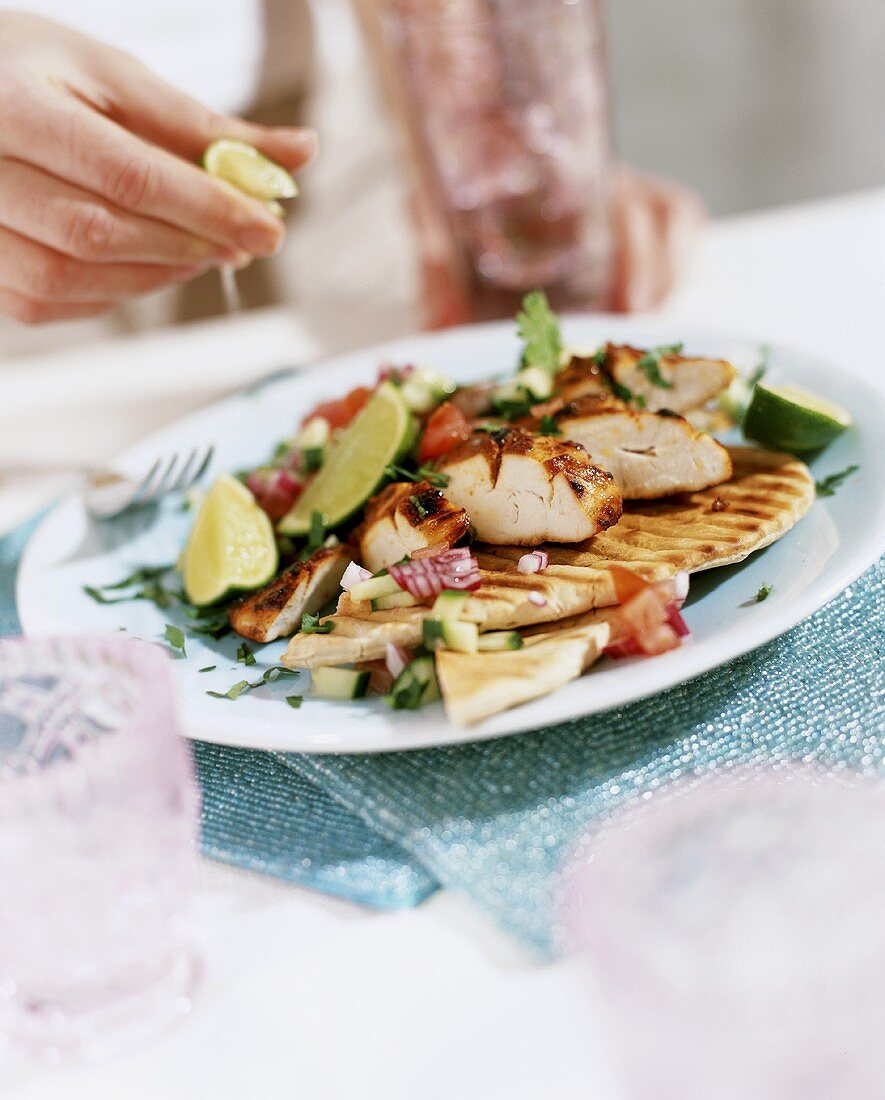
[476,686]
[767,494]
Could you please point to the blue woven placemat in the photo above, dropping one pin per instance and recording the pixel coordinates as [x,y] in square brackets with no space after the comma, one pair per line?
[262,816]
[495,819]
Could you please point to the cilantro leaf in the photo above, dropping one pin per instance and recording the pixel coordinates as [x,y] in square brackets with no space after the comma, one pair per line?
[548,426]
[418,505]
[423,473]
[538,328]
[245,655]
[316,535]
[650,365]
[512,407]
[763,593]
[310,624]
[233,692]
[175,637]
[295,701]
[829,485]
[208,668]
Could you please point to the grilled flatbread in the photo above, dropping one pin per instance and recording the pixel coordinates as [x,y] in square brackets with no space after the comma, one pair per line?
[767,494]
[476,686]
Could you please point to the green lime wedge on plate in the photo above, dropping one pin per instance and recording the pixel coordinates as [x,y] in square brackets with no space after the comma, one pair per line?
[243,166]
[356,463]
[231,546]
[793,419]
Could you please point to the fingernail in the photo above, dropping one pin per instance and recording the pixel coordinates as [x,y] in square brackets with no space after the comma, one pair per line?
[260,241]
[233,257]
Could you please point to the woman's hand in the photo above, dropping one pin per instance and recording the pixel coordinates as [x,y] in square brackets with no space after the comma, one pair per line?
[100,195]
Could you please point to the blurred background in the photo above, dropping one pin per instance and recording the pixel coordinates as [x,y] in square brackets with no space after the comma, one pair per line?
[750,103]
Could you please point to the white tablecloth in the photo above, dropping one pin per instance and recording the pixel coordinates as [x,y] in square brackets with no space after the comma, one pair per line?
[307,997]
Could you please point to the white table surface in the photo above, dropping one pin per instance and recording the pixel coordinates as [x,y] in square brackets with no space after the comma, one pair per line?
[303,996]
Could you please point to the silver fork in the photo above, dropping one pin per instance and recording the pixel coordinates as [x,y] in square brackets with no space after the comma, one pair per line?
[109,493]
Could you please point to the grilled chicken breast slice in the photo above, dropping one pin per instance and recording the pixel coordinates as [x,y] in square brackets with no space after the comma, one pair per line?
[523,489]
[405,517]
[650,454]
[275,611]
[691,382]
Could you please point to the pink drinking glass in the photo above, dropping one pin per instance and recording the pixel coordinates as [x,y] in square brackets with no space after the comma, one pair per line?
[98,823]
[506,110]
[732,925]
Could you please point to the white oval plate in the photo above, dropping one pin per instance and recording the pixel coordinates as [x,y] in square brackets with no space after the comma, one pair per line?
[829,548]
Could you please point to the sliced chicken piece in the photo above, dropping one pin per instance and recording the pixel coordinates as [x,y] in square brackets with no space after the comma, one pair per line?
[689,382]
[404,517]
[275,611]
[650,454]
[522,489]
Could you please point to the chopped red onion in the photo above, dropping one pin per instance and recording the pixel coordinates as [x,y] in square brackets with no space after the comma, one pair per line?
[537,599]
[353,574]
[396,658]
[676,620]
[274,490]
[533,562]
[627,647]
[426,577]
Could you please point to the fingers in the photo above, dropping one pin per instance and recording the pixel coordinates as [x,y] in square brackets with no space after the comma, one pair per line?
[160,113]
[67,139]
[41,274]
[79,224]
[29,311]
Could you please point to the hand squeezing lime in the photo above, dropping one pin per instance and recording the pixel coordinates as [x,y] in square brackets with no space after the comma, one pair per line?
[245,168]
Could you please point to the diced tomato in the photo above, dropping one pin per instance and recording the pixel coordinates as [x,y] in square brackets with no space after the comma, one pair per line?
[445,427]
[340,413]
[627,583]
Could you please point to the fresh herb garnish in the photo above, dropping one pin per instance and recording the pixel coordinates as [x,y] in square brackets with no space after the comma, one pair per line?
[316,535]
[758,373]
[242,686]
[650,364]
[538,328]
[600,357]
[208,668]
[548,426]
[423,473]
[295,701]
[622,392]
[511,408]
[310,624]
[829,485]
[763,593]
[175,637]
[418,505]
[139,576]
[245,655]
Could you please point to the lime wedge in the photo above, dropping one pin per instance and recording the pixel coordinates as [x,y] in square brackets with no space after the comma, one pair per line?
[793,419]
[231,545]
[356,462]
[244,167]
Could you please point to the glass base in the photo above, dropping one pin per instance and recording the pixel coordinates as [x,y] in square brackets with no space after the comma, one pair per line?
[96,1026]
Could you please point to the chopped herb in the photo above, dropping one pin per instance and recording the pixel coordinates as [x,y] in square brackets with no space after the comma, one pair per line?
[490,428]
[829,485]
[295,701]
[513,407]
[245,655]
[600,357]
[763,593]
[623,393]
[759,372]
[310,624]
[316,534]
[142,574]
[417,504]
[233,692]
[538,328]
[313,459]
[208,668]
[175,637]
[281,451]
[423,473]
[548,426]
[650,365]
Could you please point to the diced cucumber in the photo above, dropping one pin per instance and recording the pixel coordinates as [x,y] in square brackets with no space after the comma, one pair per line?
[497,640]
[415,685]
[449,605]
[537,381]
[396,599]
[424,389]
[450,634]
[339,683]
[315,433]
[374,588]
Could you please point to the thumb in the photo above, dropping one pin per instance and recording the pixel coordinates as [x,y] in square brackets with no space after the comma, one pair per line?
[158,112]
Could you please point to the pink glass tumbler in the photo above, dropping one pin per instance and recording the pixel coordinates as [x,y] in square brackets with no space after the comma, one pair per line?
[506,111]
[98,822]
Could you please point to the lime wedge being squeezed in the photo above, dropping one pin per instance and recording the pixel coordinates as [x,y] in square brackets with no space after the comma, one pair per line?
[231,546]
[356,463]
[244,167]
[793,419]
